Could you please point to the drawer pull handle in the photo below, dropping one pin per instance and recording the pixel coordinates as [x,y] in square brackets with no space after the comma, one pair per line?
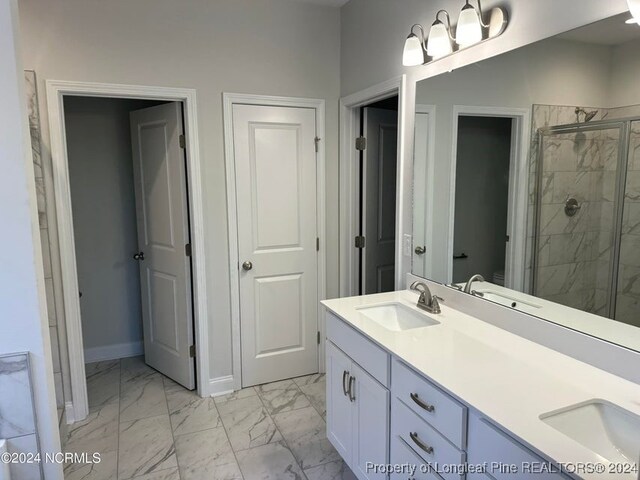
[421,404]
[420,443]
[352,394]
[345,374]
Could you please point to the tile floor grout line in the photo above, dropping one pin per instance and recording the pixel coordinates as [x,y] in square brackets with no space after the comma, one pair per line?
[173,437]
[284,440]
[226,433]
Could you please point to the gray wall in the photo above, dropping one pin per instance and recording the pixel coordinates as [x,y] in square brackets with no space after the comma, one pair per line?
[275,47]
[104,218]
[482,196]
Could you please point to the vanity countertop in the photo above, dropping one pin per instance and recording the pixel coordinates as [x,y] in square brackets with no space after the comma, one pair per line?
[507,378]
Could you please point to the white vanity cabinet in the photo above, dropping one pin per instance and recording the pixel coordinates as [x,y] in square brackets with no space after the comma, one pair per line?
[382,411]
[357,403]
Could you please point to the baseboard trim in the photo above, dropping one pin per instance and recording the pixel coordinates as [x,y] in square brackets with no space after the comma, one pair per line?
[220,386]
[112,352]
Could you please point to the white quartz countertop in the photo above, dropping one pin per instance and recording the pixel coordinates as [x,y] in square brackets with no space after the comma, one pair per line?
[509,379]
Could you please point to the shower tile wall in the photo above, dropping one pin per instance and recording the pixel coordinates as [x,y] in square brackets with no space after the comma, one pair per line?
[573,251]
[628,295]
[34,127]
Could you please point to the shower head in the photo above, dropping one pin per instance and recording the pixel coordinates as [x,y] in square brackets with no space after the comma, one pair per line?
[587,115]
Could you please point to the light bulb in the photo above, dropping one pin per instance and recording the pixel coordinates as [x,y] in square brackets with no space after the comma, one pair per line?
[439,42]
[413,54]
[469,29]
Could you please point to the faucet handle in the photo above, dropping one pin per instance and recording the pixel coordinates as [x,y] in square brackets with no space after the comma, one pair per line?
[435,304]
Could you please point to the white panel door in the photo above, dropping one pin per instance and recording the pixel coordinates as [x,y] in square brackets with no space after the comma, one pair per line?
[163,231]
[379,205]
[339,406]
[370,424]
[275,162]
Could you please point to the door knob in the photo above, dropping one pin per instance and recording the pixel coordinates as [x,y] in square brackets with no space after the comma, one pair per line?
[138,256]
[420,250]
[247,265]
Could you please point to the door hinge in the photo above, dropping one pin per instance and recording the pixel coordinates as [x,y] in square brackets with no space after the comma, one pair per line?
[360,241]
[317,244]
[187,249]
[192,351]
[182,141]
[318,338]
[361,144]
[317,141]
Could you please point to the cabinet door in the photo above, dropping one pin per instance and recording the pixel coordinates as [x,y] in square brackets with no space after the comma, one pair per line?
[370,425]
[339,407]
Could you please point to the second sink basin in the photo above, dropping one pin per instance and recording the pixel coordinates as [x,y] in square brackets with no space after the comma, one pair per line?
[396,317]
[604,428]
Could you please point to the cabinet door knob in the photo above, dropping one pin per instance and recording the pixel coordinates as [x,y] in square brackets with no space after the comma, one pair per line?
[423,446]
[352,394]
[345,374]
[425,406]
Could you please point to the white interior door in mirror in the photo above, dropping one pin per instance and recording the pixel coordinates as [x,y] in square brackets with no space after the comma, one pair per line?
[163,231]
[379,205]
[422,249]
[275,162]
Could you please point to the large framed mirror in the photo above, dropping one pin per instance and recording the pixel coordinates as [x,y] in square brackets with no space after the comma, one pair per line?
[527,180]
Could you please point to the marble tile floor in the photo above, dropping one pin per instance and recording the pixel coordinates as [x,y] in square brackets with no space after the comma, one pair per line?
[147,427]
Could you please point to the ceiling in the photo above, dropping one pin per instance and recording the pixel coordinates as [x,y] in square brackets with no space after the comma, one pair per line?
[610,32]
[328,3]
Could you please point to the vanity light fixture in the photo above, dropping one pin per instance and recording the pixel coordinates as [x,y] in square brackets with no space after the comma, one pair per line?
[440,41]
[471,30]
[634,8]
[414,51]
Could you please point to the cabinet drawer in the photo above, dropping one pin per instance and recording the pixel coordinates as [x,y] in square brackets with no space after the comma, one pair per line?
[402,454]
[404,423]
[365,353]
[488,444]
[448,416]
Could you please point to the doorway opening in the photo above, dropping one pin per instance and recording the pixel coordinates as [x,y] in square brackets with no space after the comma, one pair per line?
[482,198]
[375,242]
[169,206]
[129,198]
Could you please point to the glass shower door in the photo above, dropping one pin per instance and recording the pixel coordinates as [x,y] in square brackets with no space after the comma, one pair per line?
[576,210]
[627,298]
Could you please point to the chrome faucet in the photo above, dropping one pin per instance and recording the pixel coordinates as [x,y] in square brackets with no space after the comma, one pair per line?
[426,301]
[467,286]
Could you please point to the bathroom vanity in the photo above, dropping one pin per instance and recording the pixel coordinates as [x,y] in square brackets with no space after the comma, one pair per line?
[456,397]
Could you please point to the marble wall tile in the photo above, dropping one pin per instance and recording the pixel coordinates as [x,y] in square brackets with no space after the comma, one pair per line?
[544,250]
[46,255]
[17,416]
[629,281]
[558,279]
[627,308]
[24,471]
[571,184]
[146,446]
[554,221]
[570,248]
[559,154]
[631,219]
[630,250]
[632,192]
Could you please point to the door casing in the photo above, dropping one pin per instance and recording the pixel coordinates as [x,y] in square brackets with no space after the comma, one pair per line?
[77,408]
[230,99]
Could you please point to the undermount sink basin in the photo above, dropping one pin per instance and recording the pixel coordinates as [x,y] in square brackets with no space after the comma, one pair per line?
[604,428]
[396,317]
[507,301]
